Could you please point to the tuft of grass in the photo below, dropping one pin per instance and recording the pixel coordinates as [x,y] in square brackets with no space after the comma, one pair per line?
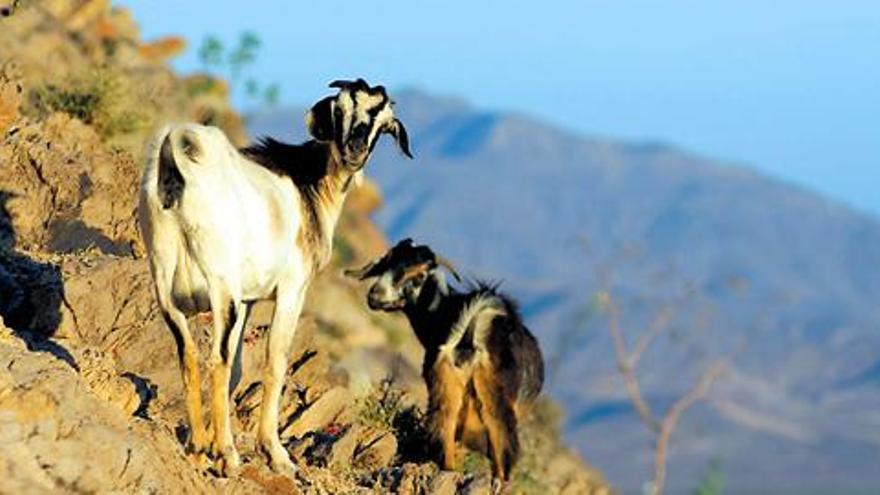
[474,463]
[386,408]
[101,98]
[382,407]
[712,482]
[525,483]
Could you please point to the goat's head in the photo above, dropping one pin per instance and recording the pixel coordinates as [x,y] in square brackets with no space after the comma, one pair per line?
[401,273]
[353,120]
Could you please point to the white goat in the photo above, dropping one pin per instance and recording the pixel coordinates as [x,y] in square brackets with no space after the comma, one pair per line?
[226,227]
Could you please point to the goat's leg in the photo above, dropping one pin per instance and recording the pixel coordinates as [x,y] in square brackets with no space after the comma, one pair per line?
[288,305]
[496,412]
[188,359]
[446,396]
[228,314]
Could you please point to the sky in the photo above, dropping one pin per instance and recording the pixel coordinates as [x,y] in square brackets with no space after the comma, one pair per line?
[789,87]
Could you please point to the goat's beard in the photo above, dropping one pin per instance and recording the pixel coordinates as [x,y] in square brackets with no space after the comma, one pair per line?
[355,165]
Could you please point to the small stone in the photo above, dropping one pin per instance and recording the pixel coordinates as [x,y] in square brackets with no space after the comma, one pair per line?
[445,483]
[481,485]
[375,449]
[323,411]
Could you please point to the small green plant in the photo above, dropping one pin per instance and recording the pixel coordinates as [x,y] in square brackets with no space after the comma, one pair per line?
[713,480]
[382,407]
[387,408]
[524,482]
[101,98]
[475,463]
[233,65]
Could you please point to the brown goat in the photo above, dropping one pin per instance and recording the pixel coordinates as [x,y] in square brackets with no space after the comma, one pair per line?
[481,363]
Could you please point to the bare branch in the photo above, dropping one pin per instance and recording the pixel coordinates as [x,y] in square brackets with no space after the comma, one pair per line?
[670,421]
[658,325]
[627,371]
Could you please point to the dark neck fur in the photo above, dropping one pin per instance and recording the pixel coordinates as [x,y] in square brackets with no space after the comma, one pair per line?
[318,177]
[433,314]
[306,164]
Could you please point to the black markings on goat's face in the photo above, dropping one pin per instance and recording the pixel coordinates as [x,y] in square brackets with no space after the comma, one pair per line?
[359,115]
[355,119]
[398,286]
[400,276]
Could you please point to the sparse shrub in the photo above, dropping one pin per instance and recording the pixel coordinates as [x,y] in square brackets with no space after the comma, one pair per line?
[386,407]
[712,482]
[101,98]
[233,65]
[382,407]
[475,463]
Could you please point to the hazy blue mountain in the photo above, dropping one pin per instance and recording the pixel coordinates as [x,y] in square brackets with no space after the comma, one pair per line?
[783,281]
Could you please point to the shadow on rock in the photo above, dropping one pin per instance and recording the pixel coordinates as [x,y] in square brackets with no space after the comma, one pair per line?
[146,391]
[31,292]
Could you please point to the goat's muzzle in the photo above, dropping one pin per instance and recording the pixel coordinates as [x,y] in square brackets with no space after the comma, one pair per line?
[377,300]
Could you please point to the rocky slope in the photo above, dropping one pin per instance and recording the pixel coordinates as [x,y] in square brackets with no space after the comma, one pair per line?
[90,395]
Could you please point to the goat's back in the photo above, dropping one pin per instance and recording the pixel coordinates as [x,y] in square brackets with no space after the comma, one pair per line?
[490,327]
[201,200]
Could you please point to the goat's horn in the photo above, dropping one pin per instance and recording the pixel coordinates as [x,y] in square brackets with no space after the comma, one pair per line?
[449,266]
[358,83]
[341,84]
[359,273]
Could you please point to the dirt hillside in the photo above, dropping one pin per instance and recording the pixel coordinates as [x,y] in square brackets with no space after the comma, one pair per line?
[90,392]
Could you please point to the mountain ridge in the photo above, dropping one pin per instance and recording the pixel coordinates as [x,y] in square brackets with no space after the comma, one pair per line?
[787,277]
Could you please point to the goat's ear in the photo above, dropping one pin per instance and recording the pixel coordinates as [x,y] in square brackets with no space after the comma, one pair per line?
[396,129]
[319,120]
[362,272]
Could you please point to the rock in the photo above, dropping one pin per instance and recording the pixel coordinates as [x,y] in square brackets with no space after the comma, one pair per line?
[342,451]
[409,479]
[10,99]
[126,307]
[355,446]
[57,438]
[68,191]
[88,12]
[480,485]
[375,448]
[445,483]
[99,371]
[325,410]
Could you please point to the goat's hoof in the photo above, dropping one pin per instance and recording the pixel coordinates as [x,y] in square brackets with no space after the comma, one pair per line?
[499,485]
[227,462]
[281,464]
[279,459]
[200,459]
[287,469]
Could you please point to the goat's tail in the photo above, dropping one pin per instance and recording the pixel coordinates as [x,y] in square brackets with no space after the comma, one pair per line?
[162,177]
[170,180]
